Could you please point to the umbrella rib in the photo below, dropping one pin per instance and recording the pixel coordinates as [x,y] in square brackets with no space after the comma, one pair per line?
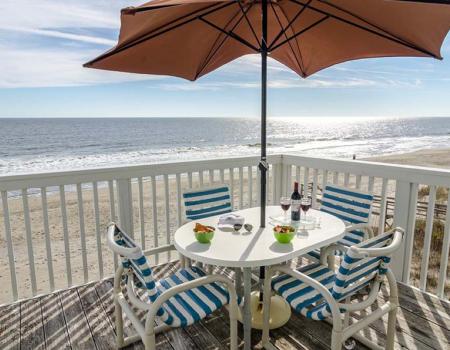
[390,37]
[213,51]
[160,30]
[296,42]
[440,2]
[248,21]
[290,45]
[300,32]
[230,34]
[283,30]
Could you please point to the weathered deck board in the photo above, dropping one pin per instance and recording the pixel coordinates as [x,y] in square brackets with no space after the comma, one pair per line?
[10,326]
[83,318]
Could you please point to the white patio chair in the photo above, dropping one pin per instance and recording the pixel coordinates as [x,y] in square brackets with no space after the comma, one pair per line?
[319,293]
[178,300]
[354,208]
[205,202]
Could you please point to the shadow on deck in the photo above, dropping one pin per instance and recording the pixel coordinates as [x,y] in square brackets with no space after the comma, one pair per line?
[83,318]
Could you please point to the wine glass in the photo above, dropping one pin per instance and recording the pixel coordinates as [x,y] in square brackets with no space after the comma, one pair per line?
[285,203]
[305,204]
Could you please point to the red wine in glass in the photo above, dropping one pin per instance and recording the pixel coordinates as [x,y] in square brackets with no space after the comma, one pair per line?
[285,203]
[305,204]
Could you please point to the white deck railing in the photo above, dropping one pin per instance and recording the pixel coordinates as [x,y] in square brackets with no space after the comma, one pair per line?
[55,222]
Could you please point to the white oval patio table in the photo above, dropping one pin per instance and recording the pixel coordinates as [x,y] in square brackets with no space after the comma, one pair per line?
[248,250]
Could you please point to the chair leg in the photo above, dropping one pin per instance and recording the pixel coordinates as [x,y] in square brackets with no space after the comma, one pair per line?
[266,306]
[391,329]
[119,324]
[233,328]
[336,340]
[149,342]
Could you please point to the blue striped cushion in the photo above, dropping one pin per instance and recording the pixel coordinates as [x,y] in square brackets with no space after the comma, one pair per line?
[353,274]
[301,296]
[351,206]
[204,203]
[191,306]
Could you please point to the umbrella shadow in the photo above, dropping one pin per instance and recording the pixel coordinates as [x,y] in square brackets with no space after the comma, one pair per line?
[251,245]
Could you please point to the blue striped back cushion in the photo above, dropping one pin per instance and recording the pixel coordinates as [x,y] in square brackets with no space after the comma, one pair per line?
[141,271]
[355,272]
[349,205]
[204,203]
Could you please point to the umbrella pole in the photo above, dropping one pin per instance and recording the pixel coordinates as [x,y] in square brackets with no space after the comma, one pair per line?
[263,166]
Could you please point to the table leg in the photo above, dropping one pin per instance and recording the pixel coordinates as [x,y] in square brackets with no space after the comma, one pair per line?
[247,316]
[238,280]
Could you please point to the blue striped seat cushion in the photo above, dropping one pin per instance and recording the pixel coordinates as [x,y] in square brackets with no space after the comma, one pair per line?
[191,306]
[303,298]
[204,203]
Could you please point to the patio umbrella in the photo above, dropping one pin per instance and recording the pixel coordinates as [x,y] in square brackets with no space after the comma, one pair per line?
[190,38]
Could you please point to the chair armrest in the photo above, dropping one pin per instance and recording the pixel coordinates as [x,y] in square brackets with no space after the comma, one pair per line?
[330,250]
[385,251]
[362,227]
[335,313]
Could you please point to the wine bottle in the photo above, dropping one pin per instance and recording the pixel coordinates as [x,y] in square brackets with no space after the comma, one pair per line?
[295,204]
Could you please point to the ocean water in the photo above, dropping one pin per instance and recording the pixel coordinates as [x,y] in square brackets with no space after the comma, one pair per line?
[48,144]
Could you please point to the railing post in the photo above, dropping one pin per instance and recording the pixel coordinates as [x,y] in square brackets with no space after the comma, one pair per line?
[125,204]
[402,214]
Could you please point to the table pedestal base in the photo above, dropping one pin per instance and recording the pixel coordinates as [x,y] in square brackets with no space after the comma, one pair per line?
[280,312]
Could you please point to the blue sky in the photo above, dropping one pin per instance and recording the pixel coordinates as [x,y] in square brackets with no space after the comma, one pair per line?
[44,43]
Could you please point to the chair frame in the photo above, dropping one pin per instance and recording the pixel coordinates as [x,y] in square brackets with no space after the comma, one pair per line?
[341,329]
[147,332]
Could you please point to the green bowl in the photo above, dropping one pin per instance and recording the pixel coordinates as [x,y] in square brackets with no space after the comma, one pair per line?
[284,237]
[204,237]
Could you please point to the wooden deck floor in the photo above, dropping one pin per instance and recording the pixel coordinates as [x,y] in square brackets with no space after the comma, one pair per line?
[82,318]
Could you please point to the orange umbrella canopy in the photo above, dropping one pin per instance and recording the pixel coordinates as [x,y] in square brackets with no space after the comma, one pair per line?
[190,38]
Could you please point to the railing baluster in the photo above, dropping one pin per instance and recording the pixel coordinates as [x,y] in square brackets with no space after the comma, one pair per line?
[427,239]
[231,180]
[48,247]
[314,188]
[370,184]
[250,185]
[222,176]
[190,179]
[97,230]
[155,216]
[179,213]
[258,186]
[346,179]
[82,232]
[305,180]
[297,174]
[445,251]
[211,177]
[167,208]
[410,233]
[62,195]
[324,180]
[26,215]
[141,211]
[335,177]
[112,207]
[200,176]
[8,237]
[276,172]
[383,206]
[358,182]
[287,181]
[241,187]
